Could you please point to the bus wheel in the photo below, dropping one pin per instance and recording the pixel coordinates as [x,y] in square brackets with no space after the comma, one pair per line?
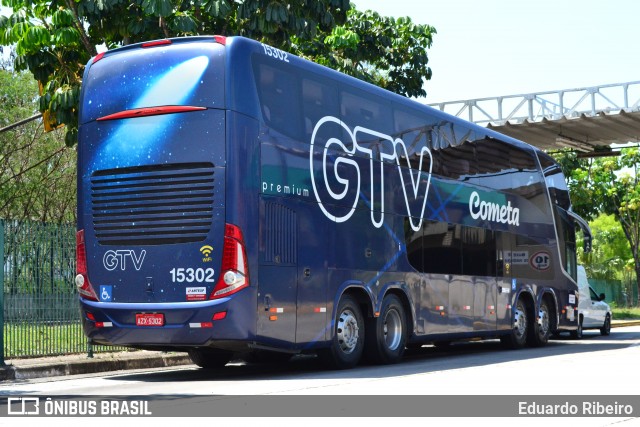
[386,334]
[209,358]
[347,342]
[518,336]
[541,327]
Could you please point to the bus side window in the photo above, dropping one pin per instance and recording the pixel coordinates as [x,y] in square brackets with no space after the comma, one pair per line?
[439,167]
[493,164]
[413,242]
[319,100]
[527,181]
[442,248]
[359,109]
[279,94]
[567,241]
[478,251]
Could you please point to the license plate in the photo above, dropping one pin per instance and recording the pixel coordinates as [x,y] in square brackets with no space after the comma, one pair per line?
[149,319]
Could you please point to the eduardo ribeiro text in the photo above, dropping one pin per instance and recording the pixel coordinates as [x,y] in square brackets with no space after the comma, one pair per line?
[567,408]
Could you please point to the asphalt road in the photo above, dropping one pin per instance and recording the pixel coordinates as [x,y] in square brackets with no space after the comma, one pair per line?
[593,365]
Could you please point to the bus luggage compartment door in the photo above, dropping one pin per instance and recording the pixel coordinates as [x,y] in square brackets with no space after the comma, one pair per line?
[277,284]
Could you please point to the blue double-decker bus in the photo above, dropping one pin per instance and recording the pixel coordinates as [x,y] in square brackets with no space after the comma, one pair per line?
[236,199]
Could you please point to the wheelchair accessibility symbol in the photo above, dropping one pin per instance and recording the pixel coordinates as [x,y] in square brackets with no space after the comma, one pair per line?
[106,293]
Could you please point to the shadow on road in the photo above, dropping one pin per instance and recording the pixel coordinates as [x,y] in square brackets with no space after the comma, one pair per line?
[421,360]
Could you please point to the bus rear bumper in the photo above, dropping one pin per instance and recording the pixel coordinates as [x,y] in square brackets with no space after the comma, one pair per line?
[169,325]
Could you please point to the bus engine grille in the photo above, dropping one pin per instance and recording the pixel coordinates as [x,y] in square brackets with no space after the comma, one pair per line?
[153,205]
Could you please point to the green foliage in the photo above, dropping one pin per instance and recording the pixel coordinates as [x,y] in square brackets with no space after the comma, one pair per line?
[55,39]
[610,256]
[37,171]
[26,339]
[50,42]
[625,313]
[388,52]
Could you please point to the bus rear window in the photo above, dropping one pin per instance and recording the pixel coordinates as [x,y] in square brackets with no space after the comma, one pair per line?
[178,74]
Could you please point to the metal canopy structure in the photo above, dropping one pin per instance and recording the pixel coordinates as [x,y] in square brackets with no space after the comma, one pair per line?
[588,120]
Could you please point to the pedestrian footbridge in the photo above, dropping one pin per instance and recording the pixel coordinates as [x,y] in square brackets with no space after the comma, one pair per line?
[588,120]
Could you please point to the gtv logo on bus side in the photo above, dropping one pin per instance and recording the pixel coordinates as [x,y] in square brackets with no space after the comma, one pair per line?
[118,258]
[419,188]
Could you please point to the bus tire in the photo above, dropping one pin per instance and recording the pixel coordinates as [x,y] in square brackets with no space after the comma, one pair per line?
[386,335]
[347,342]
[541,329]
[209,358]
[518,336]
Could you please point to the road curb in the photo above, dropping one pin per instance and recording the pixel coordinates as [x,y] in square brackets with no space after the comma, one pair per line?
[621,323]
[90,366]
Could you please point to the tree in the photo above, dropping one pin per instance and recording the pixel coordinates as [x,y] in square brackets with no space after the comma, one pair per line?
[610,253]
[55,39]
[608,185]
[390,53]
[37,171]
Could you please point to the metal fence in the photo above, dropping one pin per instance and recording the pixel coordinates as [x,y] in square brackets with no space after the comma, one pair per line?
[41,314]
[623,295]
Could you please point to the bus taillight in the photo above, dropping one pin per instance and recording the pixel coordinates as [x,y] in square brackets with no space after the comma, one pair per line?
[82,279]
[234,274]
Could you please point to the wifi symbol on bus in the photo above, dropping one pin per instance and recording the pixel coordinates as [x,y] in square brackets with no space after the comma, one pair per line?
[206,251]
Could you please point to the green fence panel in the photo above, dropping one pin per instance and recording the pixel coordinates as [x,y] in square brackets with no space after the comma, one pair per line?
[41,310]
[615,291]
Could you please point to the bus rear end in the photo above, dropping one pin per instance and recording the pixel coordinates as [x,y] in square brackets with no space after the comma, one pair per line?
[158,264]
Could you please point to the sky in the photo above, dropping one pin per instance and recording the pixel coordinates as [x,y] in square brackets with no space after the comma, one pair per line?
[489,48]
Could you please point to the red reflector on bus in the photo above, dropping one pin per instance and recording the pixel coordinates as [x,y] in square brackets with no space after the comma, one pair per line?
[104,324]
[201,325]
[219,315]
[98,57]
[90,316]
[156,43]
[221,39]
[151,111]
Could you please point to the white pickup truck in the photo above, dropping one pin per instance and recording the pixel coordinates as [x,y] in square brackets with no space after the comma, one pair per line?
[593,312]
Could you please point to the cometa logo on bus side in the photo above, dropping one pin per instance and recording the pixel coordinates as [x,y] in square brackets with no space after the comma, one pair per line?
[493,212]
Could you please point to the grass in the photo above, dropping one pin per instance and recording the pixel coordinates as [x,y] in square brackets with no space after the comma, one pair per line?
[626,313]
[28,340]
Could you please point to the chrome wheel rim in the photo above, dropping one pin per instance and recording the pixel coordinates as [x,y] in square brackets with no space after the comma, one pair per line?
[348,331]
[543,320]
[392,329]
[520,322]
